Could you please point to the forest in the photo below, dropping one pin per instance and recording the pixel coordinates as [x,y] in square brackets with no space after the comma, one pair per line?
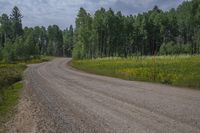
[156,32]
[18,43]
[105,33]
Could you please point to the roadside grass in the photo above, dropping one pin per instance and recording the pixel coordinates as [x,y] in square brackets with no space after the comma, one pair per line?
[10,75]
[36,60]
[10,100]
[33,60]
[181,70]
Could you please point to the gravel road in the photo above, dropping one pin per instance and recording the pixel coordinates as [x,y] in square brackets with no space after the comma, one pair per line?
[77,102]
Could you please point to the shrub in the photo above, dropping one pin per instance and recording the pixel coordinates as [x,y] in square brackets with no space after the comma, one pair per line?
[172,48]
[1,54]
[167,48]
[9,53]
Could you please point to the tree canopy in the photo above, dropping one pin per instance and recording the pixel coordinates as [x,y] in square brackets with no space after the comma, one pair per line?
[105,33]
[109,33]
[18,43]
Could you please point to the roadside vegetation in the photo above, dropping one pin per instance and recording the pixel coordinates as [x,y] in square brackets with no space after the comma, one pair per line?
[8,102]
[18,43]
[21,46]
[10,74]
[168,34]
[10,86]
[173,70]
[109,34]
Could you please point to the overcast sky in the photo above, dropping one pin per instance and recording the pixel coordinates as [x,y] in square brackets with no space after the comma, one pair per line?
[63,12]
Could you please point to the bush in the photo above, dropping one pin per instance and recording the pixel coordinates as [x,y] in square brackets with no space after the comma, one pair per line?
[77,52]
[172,48]
[1,54]
[9,53]
[10,73]
[167,48]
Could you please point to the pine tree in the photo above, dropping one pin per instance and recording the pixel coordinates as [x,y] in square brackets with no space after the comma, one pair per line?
[16,20]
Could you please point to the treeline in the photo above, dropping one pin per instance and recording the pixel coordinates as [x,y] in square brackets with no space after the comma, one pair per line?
[105,33]
[18,43]
[109,33]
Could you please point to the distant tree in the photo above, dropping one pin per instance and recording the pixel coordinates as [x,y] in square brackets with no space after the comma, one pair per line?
[21,49]
[1,53]
[82,44]
[167,49]
[197,41]
[16,22]
[106,33]
[68,36]
[99,32]
[41,39]
[5,29]
[172,48]
[55,41]
[9,52]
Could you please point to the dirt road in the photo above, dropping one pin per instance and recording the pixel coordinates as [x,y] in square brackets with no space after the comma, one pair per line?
[73,101]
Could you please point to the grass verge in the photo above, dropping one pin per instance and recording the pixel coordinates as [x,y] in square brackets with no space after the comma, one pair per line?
[174,70]
[10,100]
[10,75]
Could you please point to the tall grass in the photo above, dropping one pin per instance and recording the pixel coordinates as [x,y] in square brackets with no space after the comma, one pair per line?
[10,73]
[11,97]
[173,70]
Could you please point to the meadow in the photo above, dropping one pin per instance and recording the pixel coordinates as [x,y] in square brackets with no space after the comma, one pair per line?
[173,70]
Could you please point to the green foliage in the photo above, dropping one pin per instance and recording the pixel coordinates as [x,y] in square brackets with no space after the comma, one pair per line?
[9,89]
[167,49]
[10,73]
[10,97]
[106,33]
[82,48]
[19,47]
[31,48]
[109,33]
[171,49]
[78,52]
[1,53]
[173,70]
[10,100]
[9,52]
[17,43]
[55,36]
[5,29]
[16,22]
[68,40]
[197,41]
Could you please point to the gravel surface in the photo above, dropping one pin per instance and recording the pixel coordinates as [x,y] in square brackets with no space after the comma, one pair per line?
[71,101]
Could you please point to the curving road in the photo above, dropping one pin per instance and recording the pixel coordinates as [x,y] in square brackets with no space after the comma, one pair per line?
[77,102]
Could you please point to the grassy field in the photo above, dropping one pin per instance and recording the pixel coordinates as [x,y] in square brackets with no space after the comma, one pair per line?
[174,70]
[10,75]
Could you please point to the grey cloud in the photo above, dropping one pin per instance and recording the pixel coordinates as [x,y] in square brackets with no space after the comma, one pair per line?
[63,12]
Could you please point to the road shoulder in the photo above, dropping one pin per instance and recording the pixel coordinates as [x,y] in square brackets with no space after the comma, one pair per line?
[25,118]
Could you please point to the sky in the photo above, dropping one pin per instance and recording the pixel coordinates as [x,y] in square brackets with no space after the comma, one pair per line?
[63,12]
